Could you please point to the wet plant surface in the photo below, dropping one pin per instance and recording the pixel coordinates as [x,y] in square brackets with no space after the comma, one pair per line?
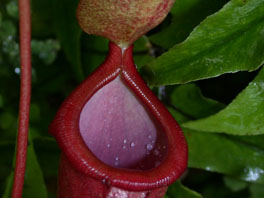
[228,163]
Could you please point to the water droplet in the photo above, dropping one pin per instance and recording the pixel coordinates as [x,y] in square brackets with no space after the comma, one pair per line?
[124,147]
[164,147]
[153,141]
[108,145]
[149,147]
[132,144]
[17,70]
[116,158]
[103,181]
[149,137]
[116,163]
[125,141]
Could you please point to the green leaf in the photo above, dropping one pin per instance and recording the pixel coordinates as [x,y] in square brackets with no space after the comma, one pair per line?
[34,185]
[9,183]
[256,140]
[69,33]
[229,41]
[257,190]
[224,154]
[235,184]
[142,59]
[185,15]
[189,99]
[179,117]
[142,52]
[177,190]
[244,116]
[142,45]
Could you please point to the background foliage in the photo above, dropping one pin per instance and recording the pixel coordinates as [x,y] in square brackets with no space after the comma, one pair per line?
[204,62]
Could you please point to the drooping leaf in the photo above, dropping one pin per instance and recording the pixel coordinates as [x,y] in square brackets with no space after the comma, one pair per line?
[185,15]
[189,99]
[224,154]
[177,190]
[231,40]
[244,116]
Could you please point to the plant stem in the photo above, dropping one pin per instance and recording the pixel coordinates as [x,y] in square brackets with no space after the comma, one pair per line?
[25,93]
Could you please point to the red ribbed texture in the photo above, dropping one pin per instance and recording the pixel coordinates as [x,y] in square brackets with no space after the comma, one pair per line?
[81,173]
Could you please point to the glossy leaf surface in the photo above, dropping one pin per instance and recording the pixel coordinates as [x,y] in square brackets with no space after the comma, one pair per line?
[223,154]
[226,154]
[231,40]
[185,15]
[244,116]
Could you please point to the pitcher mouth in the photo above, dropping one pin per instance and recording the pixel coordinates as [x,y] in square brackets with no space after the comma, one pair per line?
[151,159]
[119,130]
